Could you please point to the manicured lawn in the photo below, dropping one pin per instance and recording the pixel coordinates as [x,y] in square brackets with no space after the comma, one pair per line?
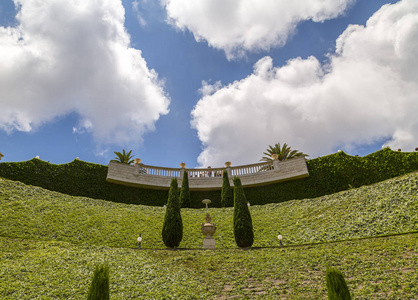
[50,243]
[383,208]
[382,268]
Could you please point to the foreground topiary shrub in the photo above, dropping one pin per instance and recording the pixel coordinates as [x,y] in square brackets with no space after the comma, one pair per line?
[173,225]
[99,288]
[336,285]
[243,224]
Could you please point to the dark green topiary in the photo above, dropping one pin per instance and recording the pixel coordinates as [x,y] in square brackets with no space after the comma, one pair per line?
[173,225]
[185,193]
[227,196]
[243,224]
[336,285]
[99,289]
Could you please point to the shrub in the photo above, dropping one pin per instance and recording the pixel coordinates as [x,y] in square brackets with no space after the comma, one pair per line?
[336,285]
[185,193]
[243,224]
[227,196]
[99,289]
[173,225]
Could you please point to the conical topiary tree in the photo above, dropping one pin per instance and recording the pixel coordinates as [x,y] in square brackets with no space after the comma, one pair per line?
[173,225]
[336,285]
[227,196]
[243,224]
[99,289]
[185,193]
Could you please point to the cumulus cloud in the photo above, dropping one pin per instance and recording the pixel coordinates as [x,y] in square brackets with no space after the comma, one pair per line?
[75,56]
[237,26]
[366,93]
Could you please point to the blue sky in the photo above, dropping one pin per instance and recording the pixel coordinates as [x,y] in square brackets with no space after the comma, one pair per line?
[205,83]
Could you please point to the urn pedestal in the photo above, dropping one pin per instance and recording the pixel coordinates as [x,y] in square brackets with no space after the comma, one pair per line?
[208,229]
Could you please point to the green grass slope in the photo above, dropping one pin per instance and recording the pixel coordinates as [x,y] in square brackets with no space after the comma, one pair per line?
[384,208]
[383,268]
[51,242]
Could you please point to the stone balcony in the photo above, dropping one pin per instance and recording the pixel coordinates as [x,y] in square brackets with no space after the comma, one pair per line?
[144,176]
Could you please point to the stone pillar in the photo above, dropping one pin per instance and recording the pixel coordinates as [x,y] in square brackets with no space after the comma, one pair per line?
[182,166]
[228,169]
[137,163]
[276,166]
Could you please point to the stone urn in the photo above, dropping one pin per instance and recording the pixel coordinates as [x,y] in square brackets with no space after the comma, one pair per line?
[137,161]
[228,164]
[182,165]
[208,229]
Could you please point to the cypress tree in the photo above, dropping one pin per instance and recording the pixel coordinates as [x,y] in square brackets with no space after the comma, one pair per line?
[227,196]
[185,193]
[173,225]
[99,289]
[243,224]
[336,285]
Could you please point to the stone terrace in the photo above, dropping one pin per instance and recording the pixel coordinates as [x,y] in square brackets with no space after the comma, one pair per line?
[140,175]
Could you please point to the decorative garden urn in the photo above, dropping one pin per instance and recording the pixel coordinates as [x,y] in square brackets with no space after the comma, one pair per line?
[182,165]
[137,161]
[228,164]
[208,229]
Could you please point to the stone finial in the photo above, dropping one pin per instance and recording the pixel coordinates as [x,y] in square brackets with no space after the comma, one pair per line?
[1,155]
[182,165]
[208,218]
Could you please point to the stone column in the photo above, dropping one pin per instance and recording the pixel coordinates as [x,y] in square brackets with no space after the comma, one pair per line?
[276,166]
[228,169]
[137,163]
[183,167]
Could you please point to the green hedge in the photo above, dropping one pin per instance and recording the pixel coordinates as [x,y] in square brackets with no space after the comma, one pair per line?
[337,172]
[79,178]
[327,175]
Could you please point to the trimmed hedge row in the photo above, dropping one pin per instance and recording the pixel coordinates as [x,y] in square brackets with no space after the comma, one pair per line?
[327,175]
[79,178]
[337,172]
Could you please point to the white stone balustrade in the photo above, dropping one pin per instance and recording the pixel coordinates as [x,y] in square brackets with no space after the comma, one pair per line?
[145,176]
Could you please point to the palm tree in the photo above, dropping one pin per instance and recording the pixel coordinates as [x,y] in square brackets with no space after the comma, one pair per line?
[123,157]
[283,152]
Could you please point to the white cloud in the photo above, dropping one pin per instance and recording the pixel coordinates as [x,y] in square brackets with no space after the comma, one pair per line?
[136,9]
[367,93]
[237,26]
[75,56]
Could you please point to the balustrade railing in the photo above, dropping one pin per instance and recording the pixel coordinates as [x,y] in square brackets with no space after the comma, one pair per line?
[206,178]
[203,172]
[158,171]
[252,169]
